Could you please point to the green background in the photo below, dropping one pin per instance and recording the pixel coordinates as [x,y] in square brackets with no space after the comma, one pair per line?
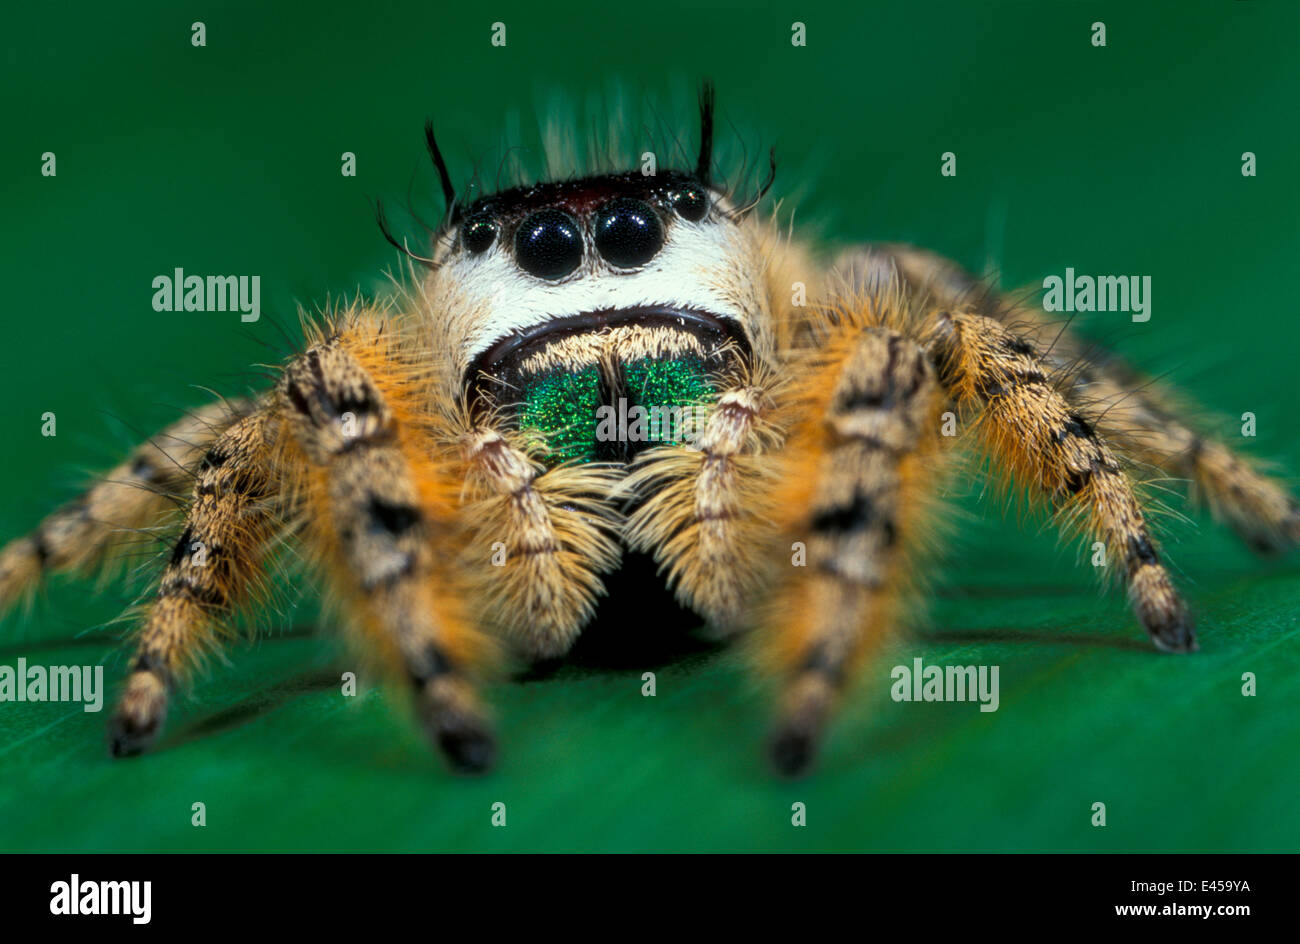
[225,159]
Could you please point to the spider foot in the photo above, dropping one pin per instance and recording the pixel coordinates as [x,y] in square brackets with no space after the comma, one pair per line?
[139,715]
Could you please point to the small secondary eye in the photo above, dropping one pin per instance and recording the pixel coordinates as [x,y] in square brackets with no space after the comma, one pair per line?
[628,232]
[690,202]
[477,233]
[548,244]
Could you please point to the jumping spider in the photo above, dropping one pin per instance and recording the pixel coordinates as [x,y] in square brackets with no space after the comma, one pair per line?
[437,454]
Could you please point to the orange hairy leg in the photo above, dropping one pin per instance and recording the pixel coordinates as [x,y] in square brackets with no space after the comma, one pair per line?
[382,486]
[858,479]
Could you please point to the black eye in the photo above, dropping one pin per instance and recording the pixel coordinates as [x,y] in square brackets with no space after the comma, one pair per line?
[628,233]
[690,202]
[477,233]
[548,244]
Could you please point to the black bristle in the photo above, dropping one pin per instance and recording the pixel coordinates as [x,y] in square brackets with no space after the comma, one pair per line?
[704,164]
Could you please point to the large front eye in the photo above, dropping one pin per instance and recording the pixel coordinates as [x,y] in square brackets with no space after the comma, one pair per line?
[548,244]
[628,233]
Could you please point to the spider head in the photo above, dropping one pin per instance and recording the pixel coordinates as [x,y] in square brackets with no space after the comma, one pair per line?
[589,282]
[612,224]
[591,255]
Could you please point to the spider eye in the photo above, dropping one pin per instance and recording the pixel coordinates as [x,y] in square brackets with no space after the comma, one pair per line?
[690,202]
[548,244]
[477,233]
[628,233]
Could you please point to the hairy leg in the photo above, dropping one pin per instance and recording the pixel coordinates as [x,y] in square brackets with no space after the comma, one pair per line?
[543,540]
[382,493]
[857,475]
[1001,377]
[1149,420]
[136,495]
[214,563]
[706,503]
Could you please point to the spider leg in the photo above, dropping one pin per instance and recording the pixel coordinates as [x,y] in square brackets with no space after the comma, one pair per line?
[215,560]
[553,529]
[705,503]
[384,502]
[863,458]
[1149,420]
[137,494]
[854,471]
[1040,434]
[1140,416]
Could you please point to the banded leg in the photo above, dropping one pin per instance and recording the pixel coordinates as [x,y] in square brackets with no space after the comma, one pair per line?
[1044,439]
[1149,421]
[136,495]
[214,563]
[384,502]
[707,504]
[1141,417]
[856,491]
[553,531]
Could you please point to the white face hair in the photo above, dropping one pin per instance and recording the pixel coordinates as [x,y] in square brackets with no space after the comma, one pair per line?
[710,265]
